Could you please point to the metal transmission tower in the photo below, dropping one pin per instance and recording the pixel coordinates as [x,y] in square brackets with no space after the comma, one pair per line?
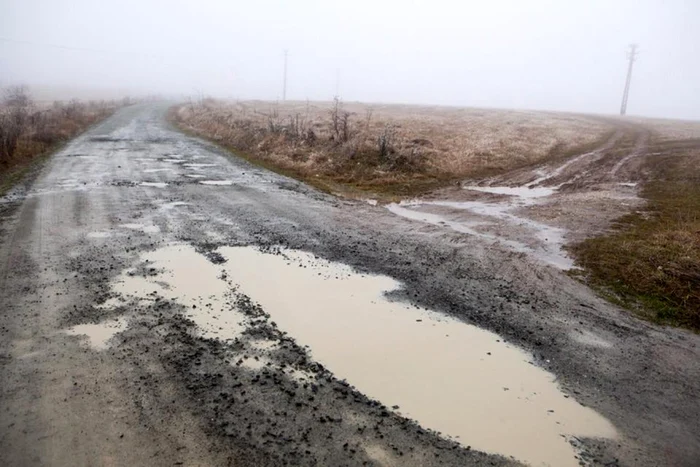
[284,82]
[631,57]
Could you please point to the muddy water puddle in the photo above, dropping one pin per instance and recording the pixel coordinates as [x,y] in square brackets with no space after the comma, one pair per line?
[149,229]
[217,182]
[519,191]
[199,165]
[157,170]
[449,376]
[98,335]
[193,281]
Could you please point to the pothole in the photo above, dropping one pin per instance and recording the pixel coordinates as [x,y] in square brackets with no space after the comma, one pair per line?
[173,204]
[99,335]
[519,191]
[99,234]
[199,166]
[142,227]
[216,182]
[190,279]
[157,170]
[452,377]
[449,376]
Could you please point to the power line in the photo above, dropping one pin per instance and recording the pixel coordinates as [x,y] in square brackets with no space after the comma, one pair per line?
[631,57]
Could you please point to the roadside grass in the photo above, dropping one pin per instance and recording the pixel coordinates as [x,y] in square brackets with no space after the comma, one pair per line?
[31,133]
[12,176]
[387,151]
[650,262]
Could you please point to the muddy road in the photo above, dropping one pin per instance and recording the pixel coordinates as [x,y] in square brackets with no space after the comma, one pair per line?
[164,303]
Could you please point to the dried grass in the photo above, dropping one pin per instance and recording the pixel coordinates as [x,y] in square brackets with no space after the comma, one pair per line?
[28,131]
[427,145]
[651,262]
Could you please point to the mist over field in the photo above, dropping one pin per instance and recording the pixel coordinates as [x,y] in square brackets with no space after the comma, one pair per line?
[552,55]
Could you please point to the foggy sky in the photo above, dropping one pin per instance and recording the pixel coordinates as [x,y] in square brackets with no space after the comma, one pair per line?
[555,55]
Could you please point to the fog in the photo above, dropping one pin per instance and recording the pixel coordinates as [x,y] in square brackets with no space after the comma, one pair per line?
[554,55]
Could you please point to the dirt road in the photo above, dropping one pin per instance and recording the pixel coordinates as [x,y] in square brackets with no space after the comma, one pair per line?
[150,317]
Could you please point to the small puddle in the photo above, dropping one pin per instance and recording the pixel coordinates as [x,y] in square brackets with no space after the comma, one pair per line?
[199,166]
[98,335]
[449,376]
[142,227]
[154,184]
[195,175]
[216,182]
[99,234]
[157,170]
[519,191]
[173,204]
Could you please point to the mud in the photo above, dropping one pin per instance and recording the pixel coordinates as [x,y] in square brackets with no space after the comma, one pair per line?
[99,335]
[171,391]
[422,363]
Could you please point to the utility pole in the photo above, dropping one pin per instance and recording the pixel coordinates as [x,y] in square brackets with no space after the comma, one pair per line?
[631,57]
[284,83]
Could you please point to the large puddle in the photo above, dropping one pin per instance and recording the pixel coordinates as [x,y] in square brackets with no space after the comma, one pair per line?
[449,376]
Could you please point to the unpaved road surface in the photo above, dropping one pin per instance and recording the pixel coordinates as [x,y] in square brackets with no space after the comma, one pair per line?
[163,303]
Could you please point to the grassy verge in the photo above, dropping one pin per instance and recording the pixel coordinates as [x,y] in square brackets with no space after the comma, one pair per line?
[386,152]
[32,134]
[650,263]
[340,184]
[17,173]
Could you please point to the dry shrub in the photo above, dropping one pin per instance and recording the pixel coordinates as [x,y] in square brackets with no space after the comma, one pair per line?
[27,130]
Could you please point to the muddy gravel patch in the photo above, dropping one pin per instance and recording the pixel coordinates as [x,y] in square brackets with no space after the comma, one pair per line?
[456,379]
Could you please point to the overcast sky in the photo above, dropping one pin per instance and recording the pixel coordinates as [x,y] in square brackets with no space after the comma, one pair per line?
[567,55]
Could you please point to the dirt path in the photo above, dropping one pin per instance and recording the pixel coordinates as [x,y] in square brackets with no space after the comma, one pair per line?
[537,212]
[120,231]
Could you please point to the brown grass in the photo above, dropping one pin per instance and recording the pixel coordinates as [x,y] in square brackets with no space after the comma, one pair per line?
[44,128]
[425,147]
[651,262]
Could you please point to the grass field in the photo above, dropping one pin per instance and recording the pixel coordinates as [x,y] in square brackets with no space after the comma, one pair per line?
[388,149]
[651,261]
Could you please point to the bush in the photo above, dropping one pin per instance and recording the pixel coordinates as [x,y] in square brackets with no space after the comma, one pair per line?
[26,130]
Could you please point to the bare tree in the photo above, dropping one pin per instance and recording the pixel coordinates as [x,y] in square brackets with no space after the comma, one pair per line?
[368,118]
[273,125]
[14,117]
[340,122]
[385,142]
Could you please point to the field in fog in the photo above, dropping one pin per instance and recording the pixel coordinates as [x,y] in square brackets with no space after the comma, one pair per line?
[391,147]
